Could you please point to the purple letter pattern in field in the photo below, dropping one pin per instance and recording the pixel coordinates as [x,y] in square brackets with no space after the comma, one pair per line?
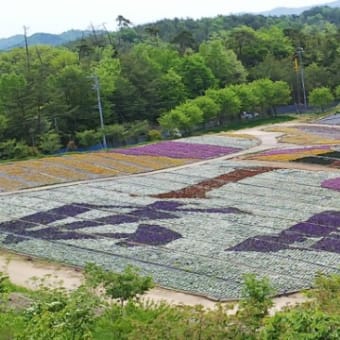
[323,227]
[146,234]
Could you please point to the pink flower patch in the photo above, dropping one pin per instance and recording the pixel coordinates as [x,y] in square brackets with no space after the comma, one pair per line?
[333,184]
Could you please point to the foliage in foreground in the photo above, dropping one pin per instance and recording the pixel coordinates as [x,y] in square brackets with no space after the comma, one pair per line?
[107,306]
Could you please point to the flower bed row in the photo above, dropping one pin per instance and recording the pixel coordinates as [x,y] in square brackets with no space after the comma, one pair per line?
[330,120]
[276,222]
[308,135]
[290,154]
[321,155]
[223,139]
[322,131]
[176,149]
[31,173]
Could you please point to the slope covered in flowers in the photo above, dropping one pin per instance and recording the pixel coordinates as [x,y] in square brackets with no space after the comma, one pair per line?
[116,162]
[235,219]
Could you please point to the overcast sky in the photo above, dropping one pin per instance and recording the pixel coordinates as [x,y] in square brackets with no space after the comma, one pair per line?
[60,15]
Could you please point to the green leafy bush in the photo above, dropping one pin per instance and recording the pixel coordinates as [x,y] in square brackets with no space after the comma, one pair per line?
[88,137]
[154,135]
[50,142]
[12,149]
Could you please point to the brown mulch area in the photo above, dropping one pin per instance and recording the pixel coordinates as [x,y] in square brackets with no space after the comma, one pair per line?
[200,189]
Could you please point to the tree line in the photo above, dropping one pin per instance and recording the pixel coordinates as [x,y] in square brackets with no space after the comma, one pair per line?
[199,71]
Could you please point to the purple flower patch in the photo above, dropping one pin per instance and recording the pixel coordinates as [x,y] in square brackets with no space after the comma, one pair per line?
[324,225]
[331,244]
[24,228]
[56,214]
[152,235]
[179,150]
[333,184]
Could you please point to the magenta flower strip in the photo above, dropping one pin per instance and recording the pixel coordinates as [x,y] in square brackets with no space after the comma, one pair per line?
[179,150]
[333,184]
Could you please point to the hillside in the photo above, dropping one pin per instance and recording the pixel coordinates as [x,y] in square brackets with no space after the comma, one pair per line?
[168,28]
[43,39]
[278,11]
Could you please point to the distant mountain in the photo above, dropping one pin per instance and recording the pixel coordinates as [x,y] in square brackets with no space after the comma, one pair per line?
[278,11]
[43,39]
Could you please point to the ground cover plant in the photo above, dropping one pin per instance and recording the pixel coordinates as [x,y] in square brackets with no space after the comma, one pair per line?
[198,229]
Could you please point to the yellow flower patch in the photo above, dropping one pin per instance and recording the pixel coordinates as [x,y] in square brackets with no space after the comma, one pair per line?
[50,167]
[152,162]
[52,170]
[81,164]
[8,184]
[101,160]
[26,173]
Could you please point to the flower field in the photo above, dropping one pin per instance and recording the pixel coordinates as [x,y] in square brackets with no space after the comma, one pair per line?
[197,229]
[77,167]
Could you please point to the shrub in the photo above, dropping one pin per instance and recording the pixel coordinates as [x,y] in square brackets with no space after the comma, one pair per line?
[88,137]
[154,135]
[12,149]
[50,142]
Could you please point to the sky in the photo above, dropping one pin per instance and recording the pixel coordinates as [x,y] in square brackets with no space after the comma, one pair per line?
[62,15]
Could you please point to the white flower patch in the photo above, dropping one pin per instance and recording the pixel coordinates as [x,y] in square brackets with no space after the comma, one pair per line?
[209,170]
[140,187]
[315,197]
[219,140]
[206,173]
[109,228]
[15,206]
[62,222]
[303,176]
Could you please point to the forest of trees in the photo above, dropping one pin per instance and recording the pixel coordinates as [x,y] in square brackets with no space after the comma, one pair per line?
[174,74]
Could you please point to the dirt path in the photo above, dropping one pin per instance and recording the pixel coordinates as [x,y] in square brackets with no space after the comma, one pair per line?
[30,272]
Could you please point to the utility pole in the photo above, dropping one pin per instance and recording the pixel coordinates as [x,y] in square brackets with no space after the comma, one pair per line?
[100,109]
[299,52]
[296,70]
[26,47]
